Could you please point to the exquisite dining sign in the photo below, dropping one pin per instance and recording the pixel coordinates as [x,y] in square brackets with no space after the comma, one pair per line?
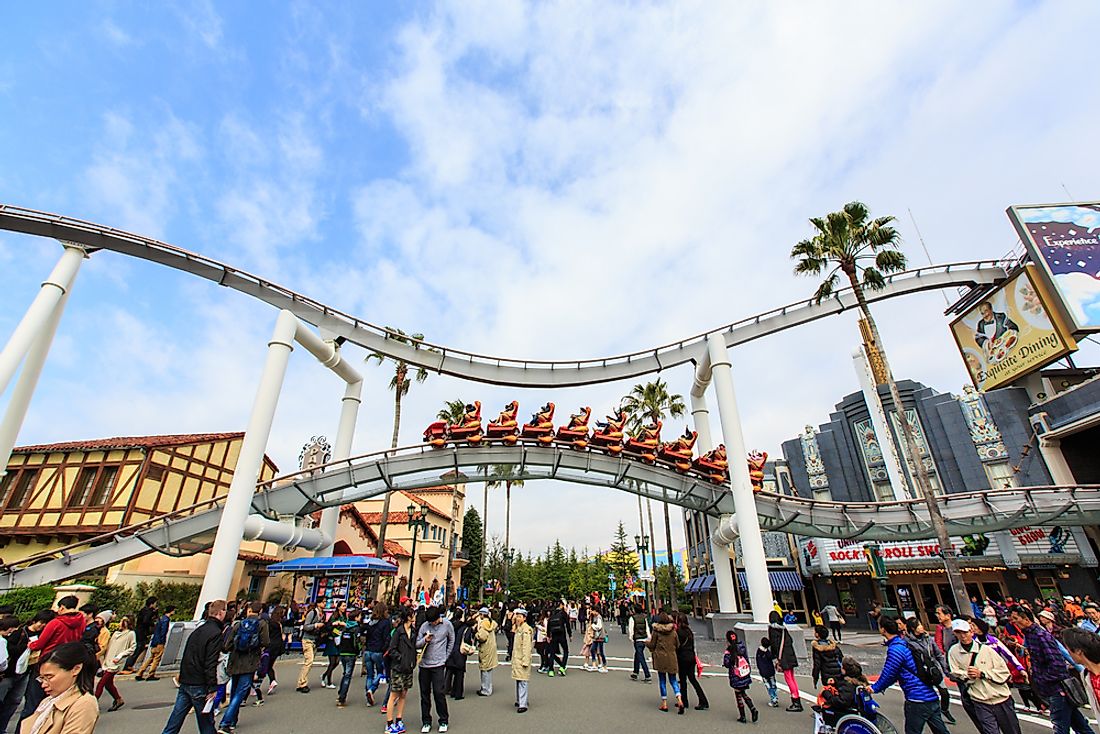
[1011,333]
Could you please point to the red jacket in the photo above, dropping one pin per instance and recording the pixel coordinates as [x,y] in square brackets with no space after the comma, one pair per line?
[61,629]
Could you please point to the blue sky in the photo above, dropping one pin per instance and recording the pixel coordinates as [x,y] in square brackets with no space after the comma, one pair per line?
[531,180]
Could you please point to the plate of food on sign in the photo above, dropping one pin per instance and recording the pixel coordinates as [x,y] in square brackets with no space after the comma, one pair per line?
[997,349]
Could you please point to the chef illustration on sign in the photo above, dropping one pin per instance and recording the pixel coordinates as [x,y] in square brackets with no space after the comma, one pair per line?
[992,325]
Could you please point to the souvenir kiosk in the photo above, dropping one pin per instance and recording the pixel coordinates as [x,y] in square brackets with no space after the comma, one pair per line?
[337,578]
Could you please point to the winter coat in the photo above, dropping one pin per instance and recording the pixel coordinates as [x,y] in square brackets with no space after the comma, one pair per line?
[73,713]
[377,633]
[463,633]
[765,663]
[663,645]
[841,698]
[66,627]
[729,662]
[900,668]
[782,647]
[245,661]
[826,661]
[486,644]
[523,640]
[120,646]
[685,648]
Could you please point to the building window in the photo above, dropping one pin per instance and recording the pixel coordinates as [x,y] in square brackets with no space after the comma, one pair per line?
[22,487]
[1000,475]
[93,486]
[155,473]
[104,483]
[5,485]
[83,487]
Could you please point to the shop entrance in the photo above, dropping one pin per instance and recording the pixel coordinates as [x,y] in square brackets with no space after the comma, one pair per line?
[918,596]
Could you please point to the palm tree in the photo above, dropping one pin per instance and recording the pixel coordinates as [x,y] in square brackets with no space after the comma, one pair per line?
[400,385]
[652,402]
[505,474]
[850,243]
[453,411]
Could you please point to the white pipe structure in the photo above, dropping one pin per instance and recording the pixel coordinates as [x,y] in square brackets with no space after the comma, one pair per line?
[717,367]
[349,412]
[719,552]
[285,534]
[23,391]
[35,324]
[238,503]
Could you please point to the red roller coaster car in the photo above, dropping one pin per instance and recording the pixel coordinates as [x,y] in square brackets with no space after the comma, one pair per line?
[645,444]
[678,453]
[713,465]
[576,431]
[609,436]
[505,428]
[470,431]
[541,427]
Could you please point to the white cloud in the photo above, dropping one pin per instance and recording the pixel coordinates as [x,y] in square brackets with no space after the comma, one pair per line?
[115,35]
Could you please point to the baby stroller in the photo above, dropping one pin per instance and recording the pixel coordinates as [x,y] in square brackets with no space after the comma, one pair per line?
[865,720]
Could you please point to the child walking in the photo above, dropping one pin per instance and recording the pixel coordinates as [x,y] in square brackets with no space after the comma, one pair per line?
[765,665]
[736,661]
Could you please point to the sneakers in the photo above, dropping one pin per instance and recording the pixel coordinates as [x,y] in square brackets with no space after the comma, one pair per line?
[443,728]
[303,689]
[602,669]
[258,702]
[587,668]
[647,680]
[633,676]
[755,715]
[550,673]
[425,729]
[561,671]
[383,710]
[341,704]
[370,698]
[774,703]
[116,705]
[521,710]
[271,688]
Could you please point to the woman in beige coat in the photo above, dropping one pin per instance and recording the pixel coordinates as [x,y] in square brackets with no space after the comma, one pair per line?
[523,643]
[67,674]
[121,645]
[663,645]
[486,636]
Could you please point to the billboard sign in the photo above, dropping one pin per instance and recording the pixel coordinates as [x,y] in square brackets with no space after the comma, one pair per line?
[1064,240]
[1012,332]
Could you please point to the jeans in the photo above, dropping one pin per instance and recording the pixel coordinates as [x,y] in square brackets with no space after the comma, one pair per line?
[431,686]
[521,693]
[309,650]
[486,683]
[671,677]
[1065,716]
[597,653]
[639,658]
[11,695]
[919,713]
[997,718]
[772,688]
[188,697]
[348,661]
[242,684]
[373,665]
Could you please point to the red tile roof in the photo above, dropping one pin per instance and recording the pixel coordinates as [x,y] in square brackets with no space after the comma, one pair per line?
[128,442]
[393,548]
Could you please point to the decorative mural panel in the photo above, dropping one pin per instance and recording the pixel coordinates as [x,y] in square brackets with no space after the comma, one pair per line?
[815,467]
[983,430]
[918,437]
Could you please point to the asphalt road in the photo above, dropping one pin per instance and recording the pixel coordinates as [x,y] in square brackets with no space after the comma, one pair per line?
[579,701]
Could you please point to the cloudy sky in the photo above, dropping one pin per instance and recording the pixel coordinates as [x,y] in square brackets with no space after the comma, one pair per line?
[547,180]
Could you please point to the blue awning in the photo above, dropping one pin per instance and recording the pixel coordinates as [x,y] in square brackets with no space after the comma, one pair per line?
[334,564]
[780,580]
[705,584]
[691,585]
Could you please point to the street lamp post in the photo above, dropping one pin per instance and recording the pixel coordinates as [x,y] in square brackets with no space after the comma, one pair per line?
[642,543]
[418,523]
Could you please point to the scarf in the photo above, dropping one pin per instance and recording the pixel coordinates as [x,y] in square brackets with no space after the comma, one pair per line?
[42,713]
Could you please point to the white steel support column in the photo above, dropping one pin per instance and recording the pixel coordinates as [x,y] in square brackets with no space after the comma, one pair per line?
[37,317]
[723,572]
[345,432]
[748,524]
[881,426]
[23,391]
[238,505]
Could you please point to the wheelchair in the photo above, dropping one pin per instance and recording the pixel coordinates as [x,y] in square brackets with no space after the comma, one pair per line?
[865,720]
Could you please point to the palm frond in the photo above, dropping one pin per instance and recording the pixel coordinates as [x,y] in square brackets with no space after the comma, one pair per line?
[873,279]
[856,213]
[890,261]
[825,290]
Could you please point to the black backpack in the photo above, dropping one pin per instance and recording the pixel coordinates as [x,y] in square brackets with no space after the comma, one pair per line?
[927,669]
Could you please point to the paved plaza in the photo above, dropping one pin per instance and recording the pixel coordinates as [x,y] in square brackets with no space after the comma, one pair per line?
[579,701]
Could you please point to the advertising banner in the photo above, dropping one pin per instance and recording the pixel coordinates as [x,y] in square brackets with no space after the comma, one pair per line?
[1011,332]
[1064,240]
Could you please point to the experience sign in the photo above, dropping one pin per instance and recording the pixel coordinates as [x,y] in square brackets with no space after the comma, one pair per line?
[1012,332]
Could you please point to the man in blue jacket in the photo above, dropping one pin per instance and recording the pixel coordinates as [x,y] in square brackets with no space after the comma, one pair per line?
[157,642]
[922,701]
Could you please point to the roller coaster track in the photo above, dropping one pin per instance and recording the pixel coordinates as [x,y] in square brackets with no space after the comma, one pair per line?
[190,530]
[478,367]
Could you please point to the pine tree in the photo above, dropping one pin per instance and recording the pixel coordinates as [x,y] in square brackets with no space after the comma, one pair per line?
[622,559]
[472,541]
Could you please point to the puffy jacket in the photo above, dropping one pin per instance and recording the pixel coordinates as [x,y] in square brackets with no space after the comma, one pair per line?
[199,665]
[900,668]
[663,644]
[841,698]
[246,661]
[160,631]
[827,658]
[765,663]
[782,647]
[377,633]
[729,662]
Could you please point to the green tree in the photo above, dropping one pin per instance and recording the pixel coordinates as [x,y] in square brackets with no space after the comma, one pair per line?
[505,474]
[650,403]
[400,384]
[664,575]
[849,243]
[473,543]
[453,411]
[28,600]
[622,559]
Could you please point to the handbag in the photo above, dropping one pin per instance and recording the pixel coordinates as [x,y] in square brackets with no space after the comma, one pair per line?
[1074,690]
[842,620]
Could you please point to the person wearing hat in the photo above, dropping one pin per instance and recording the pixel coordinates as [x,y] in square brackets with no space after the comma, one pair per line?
[485,634]
[985,676]
[522,644]
[102,623]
